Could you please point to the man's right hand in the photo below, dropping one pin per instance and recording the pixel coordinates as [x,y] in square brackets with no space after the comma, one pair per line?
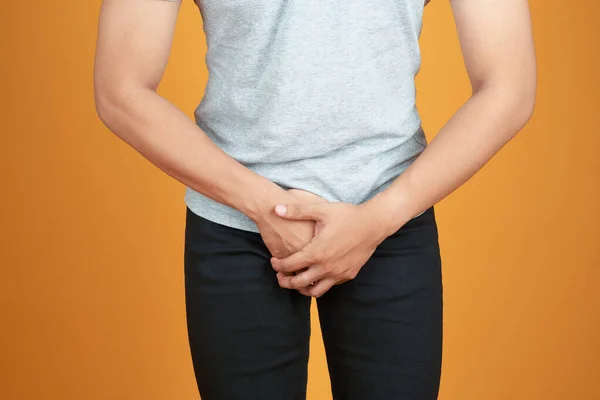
[285,237]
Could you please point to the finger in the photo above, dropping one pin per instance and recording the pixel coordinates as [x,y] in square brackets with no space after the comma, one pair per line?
[319,288]
[301,211]
[301,259]
[301,280]
[304,289]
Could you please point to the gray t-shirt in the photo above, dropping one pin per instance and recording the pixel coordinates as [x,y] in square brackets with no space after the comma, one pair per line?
[311,94]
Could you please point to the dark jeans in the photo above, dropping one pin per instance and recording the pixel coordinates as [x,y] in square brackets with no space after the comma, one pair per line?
[249,338]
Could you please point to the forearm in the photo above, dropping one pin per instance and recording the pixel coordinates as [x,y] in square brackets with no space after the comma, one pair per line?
[483,125]
[170,140]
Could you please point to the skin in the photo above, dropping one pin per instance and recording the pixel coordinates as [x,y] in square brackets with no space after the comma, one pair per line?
[133,46]
[314,241]
[497,46]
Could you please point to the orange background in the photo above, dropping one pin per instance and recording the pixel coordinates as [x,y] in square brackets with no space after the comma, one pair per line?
[92,233]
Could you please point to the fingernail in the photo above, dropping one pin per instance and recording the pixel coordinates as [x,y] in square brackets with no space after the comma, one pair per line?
[280,209]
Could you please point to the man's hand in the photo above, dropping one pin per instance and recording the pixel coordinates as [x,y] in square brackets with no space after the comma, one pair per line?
[284,237]
[346,235]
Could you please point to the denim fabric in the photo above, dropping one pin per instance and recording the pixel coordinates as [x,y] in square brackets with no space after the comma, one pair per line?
[249,338]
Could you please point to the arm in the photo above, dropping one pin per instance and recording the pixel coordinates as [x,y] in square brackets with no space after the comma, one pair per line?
[497,46]
[134,42]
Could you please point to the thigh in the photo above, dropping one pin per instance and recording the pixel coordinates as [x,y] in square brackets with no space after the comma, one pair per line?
[249,338]
[383,330]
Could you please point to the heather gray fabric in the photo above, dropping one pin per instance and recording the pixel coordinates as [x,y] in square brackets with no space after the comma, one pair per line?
[311,94]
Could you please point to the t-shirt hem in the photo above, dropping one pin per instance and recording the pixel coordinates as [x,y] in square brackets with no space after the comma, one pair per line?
[220,214]
[224,215]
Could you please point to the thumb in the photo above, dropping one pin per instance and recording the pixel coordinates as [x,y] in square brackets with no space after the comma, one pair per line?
[300,211]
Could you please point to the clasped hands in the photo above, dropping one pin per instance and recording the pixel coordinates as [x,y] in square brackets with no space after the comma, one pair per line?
[316,244]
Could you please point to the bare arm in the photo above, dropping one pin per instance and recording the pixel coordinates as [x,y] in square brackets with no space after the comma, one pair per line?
[498,50]
[497,46]
[134,42]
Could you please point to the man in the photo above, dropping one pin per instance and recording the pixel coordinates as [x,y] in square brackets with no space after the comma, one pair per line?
[308,174]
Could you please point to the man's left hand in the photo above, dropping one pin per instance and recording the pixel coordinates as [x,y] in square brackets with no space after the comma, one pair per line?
[346,235]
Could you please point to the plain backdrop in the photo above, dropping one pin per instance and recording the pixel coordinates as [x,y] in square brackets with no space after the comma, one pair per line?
[92,234]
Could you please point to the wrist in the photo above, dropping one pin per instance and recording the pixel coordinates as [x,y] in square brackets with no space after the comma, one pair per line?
[261,200]
[387,212]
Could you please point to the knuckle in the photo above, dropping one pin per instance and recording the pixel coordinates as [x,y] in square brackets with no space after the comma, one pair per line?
[329,269]
[281,281]
[338,276]
[278,252]
[284,266]
[316,257]
[294,210]
[325,254]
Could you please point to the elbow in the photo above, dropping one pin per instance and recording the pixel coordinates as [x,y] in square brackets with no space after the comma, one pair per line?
[525,103]
[523,107]
[105,102]
[113,97]
[102,94]
[102,105]
[114,103]
[517,99]
[113,110]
